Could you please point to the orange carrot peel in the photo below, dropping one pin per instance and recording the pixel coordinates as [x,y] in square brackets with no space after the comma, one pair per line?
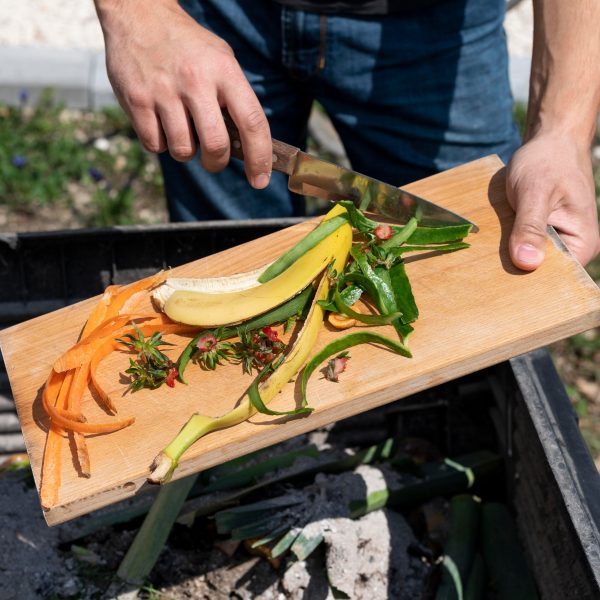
[73,371]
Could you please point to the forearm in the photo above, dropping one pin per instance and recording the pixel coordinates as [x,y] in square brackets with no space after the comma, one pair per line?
[564,95]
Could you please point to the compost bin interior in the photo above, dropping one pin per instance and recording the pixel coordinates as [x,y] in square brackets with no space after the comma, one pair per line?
[517,408]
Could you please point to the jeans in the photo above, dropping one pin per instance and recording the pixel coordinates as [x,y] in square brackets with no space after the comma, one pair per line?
[410,95]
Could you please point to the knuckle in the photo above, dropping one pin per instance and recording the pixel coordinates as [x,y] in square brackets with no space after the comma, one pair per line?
[216,146]
[224,47]
[228,64]
[533,229]
[255,121]
[180,142]
[189,76]
[138,100]
[215,152]
[179,136]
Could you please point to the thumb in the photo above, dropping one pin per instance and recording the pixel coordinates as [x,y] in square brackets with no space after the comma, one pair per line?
[527,243]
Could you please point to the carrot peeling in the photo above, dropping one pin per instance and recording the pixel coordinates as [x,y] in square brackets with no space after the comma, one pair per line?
[58,420]
[82,453]
[118,302]
[78,387]
[101,352]
[99,313]
[87,427]
[76,369]
[51,469]
[52,460]
[83,350]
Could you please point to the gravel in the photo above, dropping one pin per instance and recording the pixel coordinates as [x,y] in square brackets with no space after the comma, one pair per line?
[31,567]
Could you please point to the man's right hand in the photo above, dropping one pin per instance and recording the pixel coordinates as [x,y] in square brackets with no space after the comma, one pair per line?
[173,76]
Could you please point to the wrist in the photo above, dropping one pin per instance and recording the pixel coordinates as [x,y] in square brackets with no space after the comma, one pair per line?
[115,9]
[559,138]
[119,19]
[578,130]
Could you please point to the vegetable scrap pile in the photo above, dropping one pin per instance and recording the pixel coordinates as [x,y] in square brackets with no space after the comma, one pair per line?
[348,270]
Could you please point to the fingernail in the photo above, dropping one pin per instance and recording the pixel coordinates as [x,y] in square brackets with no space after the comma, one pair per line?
[529,254]
[261,181]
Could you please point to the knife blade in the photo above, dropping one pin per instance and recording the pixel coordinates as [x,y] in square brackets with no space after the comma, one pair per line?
[312,176]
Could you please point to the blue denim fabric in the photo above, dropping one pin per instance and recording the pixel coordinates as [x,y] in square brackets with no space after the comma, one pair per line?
[410,95]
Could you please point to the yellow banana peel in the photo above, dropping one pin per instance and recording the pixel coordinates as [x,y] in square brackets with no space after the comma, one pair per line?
[213,309]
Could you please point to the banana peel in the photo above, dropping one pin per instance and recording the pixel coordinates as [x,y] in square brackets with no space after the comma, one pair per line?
[216,309]
[335,248]
[209,285]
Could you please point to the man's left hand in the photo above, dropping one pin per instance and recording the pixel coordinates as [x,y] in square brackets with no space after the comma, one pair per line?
[550,182]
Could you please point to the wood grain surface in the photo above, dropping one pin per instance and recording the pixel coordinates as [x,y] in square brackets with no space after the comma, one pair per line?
[476,310]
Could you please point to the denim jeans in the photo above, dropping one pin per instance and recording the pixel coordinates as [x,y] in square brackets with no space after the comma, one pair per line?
[410,95]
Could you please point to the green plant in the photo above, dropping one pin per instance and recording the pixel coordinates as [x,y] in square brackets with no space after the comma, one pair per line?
[88,163]
[39,153]
[148,592]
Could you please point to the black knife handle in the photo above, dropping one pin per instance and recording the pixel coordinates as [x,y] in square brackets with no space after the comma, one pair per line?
[284,155]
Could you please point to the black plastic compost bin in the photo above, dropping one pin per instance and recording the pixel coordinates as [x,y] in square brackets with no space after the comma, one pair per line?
[550,479]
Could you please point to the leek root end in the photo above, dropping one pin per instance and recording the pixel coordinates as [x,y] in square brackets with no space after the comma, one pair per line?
[161,469]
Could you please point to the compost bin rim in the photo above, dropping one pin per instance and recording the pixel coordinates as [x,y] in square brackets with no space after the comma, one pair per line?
[556,424]
[11,238]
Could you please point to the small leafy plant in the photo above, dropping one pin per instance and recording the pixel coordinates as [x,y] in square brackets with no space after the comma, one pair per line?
[151,368]
[210,350]
[255,349]
[88,167]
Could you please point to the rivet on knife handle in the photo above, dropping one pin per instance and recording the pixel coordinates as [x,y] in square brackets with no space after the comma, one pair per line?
[284,155]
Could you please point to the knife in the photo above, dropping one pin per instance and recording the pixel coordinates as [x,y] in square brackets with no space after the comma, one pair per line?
[313,176]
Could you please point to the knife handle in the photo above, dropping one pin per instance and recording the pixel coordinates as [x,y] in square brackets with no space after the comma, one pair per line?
[284,155]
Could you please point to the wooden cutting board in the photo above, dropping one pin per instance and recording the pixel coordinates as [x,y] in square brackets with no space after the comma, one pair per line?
[476,310]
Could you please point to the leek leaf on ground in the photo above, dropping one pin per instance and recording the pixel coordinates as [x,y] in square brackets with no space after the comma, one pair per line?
[150,539]
[459,551]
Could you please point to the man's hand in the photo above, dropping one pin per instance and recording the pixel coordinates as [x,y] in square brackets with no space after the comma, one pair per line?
[550,182]
[173,76]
